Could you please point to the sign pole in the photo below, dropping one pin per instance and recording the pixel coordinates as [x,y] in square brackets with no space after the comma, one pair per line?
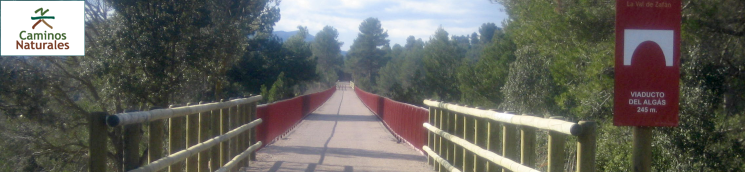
[642,149]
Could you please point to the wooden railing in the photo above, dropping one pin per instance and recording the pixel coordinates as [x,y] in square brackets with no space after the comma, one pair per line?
[467,139]
[206,137]
[403,120]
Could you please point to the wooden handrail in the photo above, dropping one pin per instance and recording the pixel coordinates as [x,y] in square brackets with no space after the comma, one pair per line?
[147,116]
[560,126]
[458,132]
[439,159]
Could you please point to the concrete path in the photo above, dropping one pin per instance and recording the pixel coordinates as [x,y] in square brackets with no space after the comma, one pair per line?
[341,135]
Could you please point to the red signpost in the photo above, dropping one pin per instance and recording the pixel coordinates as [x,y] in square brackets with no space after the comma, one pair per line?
[647,70]
[647,62]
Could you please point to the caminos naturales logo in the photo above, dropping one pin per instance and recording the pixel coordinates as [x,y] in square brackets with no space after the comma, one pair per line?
[42,28]
[38,41]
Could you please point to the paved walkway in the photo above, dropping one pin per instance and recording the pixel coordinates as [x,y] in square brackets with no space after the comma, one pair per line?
[341,135]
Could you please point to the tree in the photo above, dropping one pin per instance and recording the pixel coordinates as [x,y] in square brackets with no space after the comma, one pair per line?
[301,64]
[441,60]
[139,55]
[326,49]
[269,57]
[478,81]
[279,91]
[487,31]
[366,55]
[402,78]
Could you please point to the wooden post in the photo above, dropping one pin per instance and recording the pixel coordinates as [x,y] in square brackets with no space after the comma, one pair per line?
[155,139]
[224,146]
[493,143]
[253,131]
[132,137]
[449,125]
[243,142]
[468,134]
[509,142]
[642,149]
[97,141]
[192,138]
[245,115]
[440,141]
[430,135]
[586,147]
[527,146]
[556,142]
[481,141]
[233,141]
[239,139]
[204,135]
[215,119]
[433,121]
[457,159]
[176,140]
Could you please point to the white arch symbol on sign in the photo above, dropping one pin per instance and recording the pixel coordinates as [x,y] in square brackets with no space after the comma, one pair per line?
[633,37]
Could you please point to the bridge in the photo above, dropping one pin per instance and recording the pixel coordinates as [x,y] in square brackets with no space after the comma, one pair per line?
[340,129]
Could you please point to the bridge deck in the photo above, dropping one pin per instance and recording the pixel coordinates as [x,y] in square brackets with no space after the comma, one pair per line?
[341,135]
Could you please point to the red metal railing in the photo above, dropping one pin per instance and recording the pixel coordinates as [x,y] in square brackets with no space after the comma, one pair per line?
[404,120]
[281,117]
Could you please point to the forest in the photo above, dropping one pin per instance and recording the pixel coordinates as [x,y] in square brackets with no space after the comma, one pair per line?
[549,58]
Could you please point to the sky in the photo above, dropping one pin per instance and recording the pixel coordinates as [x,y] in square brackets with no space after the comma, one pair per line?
[401,18]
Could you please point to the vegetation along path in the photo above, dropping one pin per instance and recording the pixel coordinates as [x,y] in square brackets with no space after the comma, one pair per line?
[341,135]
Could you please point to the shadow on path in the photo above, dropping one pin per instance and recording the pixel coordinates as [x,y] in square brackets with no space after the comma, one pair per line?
[326,145]
[279,150]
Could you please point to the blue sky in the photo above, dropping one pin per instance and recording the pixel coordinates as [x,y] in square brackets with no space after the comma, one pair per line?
[401,18]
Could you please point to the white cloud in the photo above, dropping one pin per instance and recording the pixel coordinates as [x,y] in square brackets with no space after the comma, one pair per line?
[402,18]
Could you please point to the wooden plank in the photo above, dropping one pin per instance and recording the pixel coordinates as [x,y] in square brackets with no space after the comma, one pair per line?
[468,135]
[176,141]
[430,138]
[234,122]
[449,125]
[215,127]
[441,140]
[537,122]
[481,140]
[155,140]
[204,135]
[224,146]
[459,130]
[556,143]
[493,143]
[122,119]
[97,141]
[527,146]
[192,138]
[509,143]
[253,131]
[232,165]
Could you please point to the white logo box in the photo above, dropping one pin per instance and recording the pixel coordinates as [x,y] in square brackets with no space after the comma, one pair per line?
[15,16]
